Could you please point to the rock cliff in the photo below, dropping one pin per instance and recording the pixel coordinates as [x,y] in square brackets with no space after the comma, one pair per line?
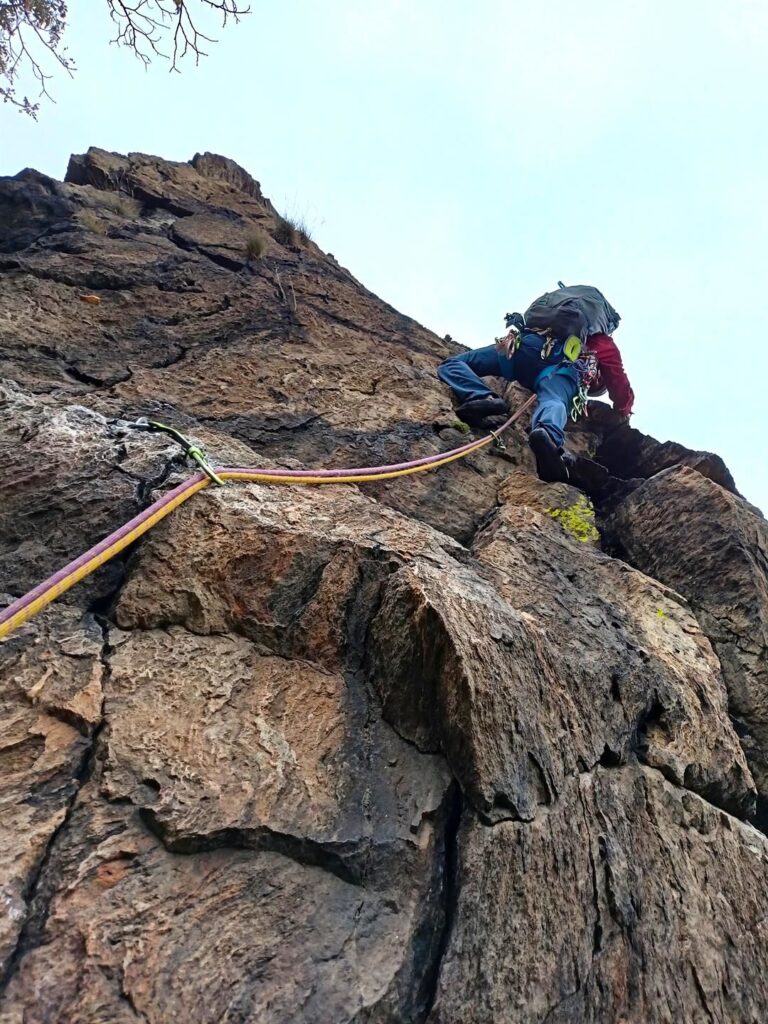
[415,750]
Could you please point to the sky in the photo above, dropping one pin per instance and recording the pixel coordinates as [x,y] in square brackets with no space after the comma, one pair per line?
[461,158]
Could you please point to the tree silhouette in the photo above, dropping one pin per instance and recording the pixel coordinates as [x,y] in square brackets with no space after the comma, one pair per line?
[31,34]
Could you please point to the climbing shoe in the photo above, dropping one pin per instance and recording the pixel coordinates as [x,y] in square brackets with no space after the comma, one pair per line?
[549,462]
[476,410]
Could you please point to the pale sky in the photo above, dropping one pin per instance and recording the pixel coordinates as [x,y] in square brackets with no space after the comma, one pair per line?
[461,158]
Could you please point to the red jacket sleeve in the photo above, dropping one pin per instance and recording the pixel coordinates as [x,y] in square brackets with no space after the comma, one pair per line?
[612,372]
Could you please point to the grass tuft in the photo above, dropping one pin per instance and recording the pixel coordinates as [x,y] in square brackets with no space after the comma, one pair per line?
[120,204]
[291,230]
[91,222]
[255,245]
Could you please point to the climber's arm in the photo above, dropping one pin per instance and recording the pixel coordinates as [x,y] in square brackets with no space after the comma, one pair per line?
[612,373]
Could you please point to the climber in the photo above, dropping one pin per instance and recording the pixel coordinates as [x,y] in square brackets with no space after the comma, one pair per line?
[563,349]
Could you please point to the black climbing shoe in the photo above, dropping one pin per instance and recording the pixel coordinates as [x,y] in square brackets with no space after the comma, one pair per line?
[476,410]
[549,463]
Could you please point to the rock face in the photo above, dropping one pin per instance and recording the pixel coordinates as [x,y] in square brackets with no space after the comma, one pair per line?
[427,749]
[685,530]
[615,907]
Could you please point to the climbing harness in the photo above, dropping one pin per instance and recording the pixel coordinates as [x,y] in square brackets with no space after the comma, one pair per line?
[190,449]
[571,351]
[42,595]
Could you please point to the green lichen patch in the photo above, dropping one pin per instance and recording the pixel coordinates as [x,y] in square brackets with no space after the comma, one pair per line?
[578,519]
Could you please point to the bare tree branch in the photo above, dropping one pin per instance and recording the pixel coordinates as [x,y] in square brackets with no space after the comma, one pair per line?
[30,38]
[31,33]
[143,25]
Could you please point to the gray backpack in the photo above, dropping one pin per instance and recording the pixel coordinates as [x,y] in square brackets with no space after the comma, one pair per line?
[577,309]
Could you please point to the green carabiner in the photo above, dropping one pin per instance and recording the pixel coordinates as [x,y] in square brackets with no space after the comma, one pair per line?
[191,450]
[579,404]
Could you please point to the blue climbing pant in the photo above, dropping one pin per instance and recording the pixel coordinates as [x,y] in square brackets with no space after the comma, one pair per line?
[462,373]
[556,392]
[556,386]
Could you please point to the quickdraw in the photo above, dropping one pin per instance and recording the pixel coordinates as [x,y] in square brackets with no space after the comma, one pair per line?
[579,404]
[190,449]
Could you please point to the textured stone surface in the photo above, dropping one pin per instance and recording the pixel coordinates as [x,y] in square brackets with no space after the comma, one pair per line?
[220,745]
[612,906]
[557,660]
[379,754]
[50,704]
[713,547]
[134,932]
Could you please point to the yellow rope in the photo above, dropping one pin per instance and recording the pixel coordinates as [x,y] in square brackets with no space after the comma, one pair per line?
[96,561]
[267,478]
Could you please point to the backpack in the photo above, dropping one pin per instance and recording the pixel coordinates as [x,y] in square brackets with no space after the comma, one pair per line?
[577,309]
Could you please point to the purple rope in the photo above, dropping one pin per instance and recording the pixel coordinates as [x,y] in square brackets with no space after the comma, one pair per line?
[97,549]
[360,471]
[363,471]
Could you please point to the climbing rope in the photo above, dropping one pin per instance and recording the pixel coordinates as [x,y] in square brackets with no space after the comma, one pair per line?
[42,595]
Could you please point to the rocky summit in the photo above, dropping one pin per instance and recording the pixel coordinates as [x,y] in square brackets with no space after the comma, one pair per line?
[458,747]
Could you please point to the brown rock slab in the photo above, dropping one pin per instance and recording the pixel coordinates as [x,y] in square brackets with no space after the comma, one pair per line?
[175,186]
[711,546]
[613,905]
[135,932]
[222,238]
[221,168]
[280,565]
[221,746]
[50,702]
[552,660]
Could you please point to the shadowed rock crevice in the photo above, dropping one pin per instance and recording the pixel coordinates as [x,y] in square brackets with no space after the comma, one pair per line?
[227,262]
[440,938]
[349,863]
[33,920]
[75,373]
[83,711]
[628,454]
